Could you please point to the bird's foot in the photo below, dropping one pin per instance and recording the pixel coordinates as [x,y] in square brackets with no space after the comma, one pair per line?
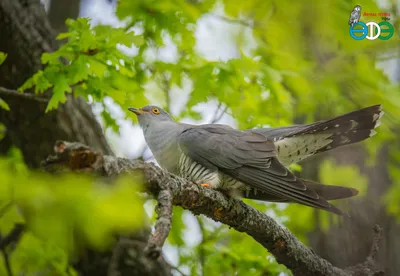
[205,185]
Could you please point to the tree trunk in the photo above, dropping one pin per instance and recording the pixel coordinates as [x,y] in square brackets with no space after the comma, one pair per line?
[25,33]
[60,10]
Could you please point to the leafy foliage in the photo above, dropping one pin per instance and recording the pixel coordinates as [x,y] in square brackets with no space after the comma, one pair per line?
[90,62]
[63,215]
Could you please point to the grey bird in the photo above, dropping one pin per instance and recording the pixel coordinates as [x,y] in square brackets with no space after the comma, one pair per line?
[254,162]
[355,15]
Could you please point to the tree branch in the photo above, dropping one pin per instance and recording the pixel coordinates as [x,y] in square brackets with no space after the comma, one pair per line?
[163,224]
[28,96]
[368,267]
[286,248]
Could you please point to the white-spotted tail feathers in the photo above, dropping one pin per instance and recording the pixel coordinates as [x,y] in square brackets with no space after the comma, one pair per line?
[321,136]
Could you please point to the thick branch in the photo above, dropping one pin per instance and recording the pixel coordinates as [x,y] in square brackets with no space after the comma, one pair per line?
[287,249]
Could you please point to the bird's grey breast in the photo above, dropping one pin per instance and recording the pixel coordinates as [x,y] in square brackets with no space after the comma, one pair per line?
[162,139]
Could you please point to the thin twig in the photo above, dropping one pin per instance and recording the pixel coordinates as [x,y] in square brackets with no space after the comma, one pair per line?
[202,253]
[214,234]
[163,224]
[217,116]
[378,231]
[28,96]
[13,236]
[177,269]
[234,21]
[370,264]
[166,83]
[7,262]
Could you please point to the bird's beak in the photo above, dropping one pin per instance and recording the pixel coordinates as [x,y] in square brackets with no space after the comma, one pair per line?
[136,110]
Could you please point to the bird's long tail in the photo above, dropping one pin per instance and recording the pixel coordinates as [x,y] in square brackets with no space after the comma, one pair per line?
[348,128]
[327,192]
[331,192]
[296,143]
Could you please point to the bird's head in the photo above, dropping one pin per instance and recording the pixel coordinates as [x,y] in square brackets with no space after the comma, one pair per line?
[150,114]
[357,8]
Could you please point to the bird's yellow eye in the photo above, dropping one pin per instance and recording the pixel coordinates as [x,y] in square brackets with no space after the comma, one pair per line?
[155,110]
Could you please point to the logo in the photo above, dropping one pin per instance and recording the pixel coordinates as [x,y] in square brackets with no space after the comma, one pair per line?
[370,30]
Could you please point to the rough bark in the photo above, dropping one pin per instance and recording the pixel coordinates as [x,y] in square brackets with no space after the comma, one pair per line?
[286,248]
[60,10]
[25,34]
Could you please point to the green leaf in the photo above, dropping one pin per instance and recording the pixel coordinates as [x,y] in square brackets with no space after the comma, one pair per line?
[39,80]
[62,36]
[42,83]
[109,121]
[4,105]
[61,86]
[3,56]
[129,39]
[178,226]
[2,131]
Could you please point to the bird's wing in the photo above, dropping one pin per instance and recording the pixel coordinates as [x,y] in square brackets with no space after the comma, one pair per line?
[219,146]
[250,158]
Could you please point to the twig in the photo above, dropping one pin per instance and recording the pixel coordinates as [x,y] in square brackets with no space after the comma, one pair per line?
[217,116]
[202,253]
[28,96]
[7,262]
[177,269]
[13,236]
[167,89]
[163,224]
[375,244]
[234,21]
[214,234]
[369,266]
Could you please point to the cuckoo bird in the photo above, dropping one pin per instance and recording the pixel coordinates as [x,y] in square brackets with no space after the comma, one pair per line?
[254,162]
